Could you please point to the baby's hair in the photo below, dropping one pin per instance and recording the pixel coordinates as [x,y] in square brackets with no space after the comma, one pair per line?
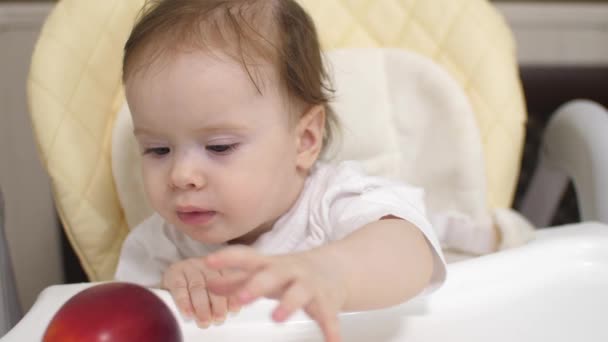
[278,31]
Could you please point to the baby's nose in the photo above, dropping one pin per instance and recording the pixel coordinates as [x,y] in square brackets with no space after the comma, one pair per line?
[187,175]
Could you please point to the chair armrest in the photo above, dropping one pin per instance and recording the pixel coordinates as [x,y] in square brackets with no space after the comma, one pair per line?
[575,147]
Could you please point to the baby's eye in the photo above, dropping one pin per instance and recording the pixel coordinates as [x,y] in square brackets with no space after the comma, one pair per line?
[157,151]
[221,149]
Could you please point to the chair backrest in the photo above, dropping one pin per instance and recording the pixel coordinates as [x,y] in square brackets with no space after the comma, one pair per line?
[75,93]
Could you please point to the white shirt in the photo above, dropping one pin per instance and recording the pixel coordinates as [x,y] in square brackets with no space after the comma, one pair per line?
[336,200]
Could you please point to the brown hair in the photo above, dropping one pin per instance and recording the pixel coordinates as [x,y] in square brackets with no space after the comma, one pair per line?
[279,31]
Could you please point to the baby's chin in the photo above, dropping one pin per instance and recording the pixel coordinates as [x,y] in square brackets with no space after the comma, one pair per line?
[217,232]
[209,235]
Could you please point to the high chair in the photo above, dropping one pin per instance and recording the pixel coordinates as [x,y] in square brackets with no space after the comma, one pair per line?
[81,123]
[9,304]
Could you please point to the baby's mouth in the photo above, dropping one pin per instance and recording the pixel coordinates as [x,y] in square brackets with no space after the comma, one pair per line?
[195,216]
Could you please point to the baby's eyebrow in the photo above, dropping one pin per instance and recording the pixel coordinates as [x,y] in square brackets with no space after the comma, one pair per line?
[215,128]
[223,127]
[142,131]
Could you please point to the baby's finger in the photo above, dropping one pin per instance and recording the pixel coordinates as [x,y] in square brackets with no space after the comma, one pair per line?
[219,308]
[228,284]
[266,283]
[331,329]
[234,305]
[236,257]
[219,304]
[198,295]
[294,298]
[327,320]
[175,281]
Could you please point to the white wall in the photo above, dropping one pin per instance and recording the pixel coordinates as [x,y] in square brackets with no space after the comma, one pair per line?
[31,223]
[559,33]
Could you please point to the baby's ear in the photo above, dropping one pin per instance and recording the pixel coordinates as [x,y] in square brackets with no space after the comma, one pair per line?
[309,132]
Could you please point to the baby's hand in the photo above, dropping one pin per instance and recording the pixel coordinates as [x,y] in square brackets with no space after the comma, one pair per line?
[187,282]
[299,281]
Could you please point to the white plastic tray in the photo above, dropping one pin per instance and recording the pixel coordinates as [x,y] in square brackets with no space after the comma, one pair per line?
[553,289]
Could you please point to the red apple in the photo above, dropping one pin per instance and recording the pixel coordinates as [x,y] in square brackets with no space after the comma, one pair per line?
[114,312]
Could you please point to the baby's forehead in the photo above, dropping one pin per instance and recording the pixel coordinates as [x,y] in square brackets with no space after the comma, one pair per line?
[258,74]
[209,76]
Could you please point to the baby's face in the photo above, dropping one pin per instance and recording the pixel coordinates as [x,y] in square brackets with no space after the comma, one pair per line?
[219,159]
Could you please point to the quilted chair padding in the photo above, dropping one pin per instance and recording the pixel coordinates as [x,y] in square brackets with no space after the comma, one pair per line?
[75,92]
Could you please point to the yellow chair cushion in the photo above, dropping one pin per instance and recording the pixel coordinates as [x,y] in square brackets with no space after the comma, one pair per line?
[75,92]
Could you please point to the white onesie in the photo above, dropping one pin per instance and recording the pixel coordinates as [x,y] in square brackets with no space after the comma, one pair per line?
[336,200]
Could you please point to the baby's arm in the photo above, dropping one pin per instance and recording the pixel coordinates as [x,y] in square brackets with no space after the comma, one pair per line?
[384,263]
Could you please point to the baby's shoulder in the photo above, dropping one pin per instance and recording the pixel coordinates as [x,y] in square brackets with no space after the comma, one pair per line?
[347,181]
[336,172]
[348,175]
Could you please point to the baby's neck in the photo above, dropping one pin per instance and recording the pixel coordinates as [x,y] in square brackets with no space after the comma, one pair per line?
[251,237]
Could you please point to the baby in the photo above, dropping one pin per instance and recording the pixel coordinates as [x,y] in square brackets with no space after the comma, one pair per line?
[230,108]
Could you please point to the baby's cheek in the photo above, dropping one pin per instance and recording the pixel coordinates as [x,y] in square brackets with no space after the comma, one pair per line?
[155,194]
[248,200]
